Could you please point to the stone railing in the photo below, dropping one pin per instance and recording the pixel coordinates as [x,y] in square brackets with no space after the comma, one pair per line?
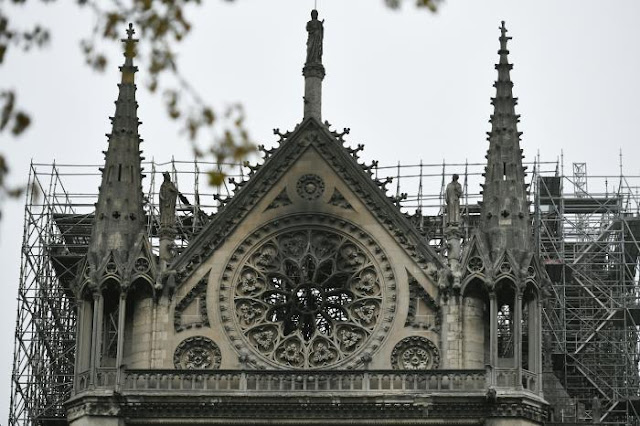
[507,378]
[530,381]
[105,378]
[301,382]
[82,381]
[504,378]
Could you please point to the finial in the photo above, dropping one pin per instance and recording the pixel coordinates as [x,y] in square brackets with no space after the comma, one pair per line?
[129,44]
[503,39]
[131,31]
[129,53]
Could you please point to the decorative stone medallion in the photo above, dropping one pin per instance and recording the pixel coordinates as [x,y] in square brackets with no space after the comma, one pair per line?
[531,272]
[415,353]
[308,294]
[197,353]
[310,186]
[475,264]
[505,268]
[142,265]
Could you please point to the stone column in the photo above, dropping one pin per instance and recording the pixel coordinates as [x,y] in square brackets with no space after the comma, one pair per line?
[493,332]
[80,340]
[313,76]
[98,308]
[517,338]
[445,334]
[122,311]
[538,345]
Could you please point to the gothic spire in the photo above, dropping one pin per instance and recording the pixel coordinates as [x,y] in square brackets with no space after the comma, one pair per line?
[313,70]
[119,216]
[505,210]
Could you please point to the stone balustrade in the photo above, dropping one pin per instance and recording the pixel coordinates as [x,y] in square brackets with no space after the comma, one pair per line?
[530,381]
[301,382]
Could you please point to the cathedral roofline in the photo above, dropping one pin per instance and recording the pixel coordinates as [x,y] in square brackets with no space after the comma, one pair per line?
[292,145]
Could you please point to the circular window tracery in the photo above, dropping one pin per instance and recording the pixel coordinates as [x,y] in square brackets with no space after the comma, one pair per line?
[308,298]
[505,268]
[475,264]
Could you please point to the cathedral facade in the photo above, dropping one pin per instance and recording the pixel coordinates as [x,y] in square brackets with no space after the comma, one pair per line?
[310,297]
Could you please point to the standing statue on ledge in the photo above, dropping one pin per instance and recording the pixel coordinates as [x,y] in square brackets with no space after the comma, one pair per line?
[168,195]
[453,194]
[314,42]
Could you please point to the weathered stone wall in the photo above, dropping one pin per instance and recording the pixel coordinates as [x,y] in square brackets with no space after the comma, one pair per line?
[509,422]
[138,333]
[161,353]
[453,334]
[474,324]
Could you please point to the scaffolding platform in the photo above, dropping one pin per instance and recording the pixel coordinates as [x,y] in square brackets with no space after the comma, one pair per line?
[587,239]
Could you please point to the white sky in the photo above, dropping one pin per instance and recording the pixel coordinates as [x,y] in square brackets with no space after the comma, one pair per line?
[409,84]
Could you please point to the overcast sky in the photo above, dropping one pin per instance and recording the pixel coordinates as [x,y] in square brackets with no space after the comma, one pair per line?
[411,85]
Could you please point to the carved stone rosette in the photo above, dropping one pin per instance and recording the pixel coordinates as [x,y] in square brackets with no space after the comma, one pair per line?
[197,353]
[312,292]
[415,353]
[310,187]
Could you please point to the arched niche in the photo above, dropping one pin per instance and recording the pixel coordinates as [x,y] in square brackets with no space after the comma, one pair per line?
[476,324]
[138,324]
[505,291]
[109,324]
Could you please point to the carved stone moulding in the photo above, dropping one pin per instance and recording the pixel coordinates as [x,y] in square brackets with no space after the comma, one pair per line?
[310,291]
[310,187]
[475,265]
[142,265]
[197,353]
[415,353]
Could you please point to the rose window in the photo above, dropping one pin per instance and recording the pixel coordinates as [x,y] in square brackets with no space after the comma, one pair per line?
[308,298]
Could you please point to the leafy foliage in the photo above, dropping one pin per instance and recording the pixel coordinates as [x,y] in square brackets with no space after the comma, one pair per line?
[432,5]
[161,26]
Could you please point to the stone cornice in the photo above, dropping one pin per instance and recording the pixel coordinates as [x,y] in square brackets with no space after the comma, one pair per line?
[174,407]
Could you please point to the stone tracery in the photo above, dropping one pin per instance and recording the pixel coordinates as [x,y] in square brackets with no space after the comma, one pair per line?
[308,298]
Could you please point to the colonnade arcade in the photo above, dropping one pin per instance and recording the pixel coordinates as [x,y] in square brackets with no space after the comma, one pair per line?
[114,329]
[501,329]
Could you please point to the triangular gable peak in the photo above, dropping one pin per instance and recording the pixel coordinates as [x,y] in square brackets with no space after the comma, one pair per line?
[475,260]
[310,134]
[300,277]
[143,266]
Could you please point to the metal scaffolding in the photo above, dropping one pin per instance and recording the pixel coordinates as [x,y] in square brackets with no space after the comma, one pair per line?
[587,240]
[58,218]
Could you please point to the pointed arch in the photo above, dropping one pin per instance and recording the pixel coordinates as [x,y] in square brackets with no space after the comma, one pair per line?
[109,327]
[531,357]
[506,292]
